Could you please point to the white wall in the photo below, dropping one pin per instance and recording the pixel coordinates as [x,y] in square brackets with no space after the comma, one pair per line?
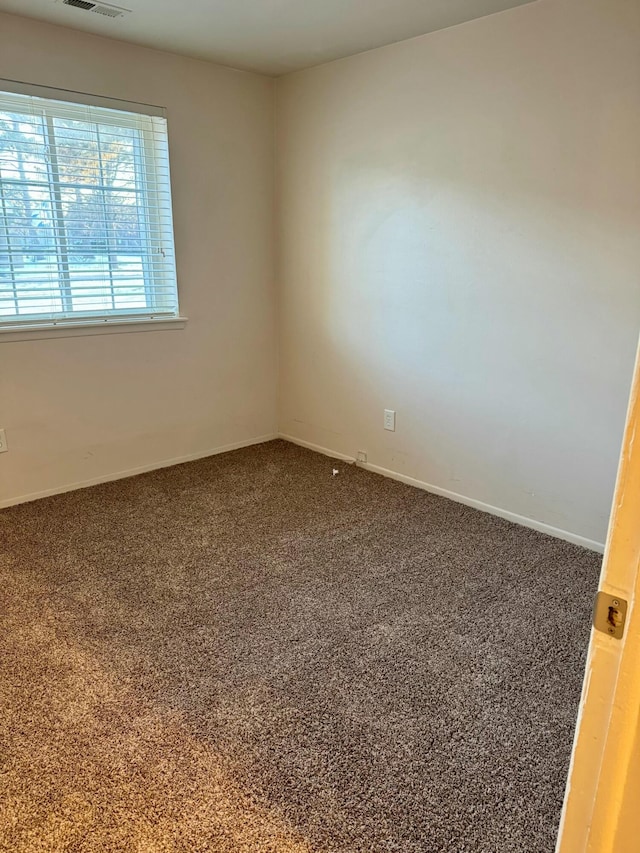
[77,409]
[459,221]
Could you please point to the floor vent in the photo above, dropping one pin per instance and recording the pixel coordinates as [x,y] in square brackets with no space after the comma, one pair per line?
[98,8]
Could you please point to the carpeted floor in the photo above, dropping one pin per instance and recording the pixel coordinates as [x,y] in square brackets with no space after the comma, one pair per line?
[247,653]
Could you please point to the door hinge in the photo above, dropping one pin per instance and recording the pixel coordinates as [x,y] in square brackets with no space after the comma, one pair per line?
[609,614]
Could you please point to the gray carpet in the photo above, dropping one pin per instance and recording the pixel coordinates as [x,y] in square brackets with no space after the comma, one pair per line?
[246,653]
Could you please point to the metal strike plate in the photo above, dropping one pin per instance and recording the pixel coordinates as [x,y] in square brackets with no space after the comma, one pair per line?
[609,614]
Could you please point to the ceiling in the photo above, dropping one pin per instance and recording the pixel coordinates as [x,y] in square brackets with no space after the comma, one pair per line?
[270,36]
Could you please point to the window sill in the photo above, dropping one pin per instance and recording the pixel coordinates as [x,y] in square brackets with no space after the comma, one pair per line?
[39,331]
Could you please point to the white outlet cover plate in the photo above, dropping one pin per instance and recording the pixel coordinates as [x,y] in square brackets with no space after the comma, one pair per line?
[390,419]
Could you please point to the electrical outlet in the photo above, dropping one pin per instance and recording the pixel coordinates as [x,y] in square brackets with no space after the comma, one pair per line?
[3,441]
[390,420]
[362,456]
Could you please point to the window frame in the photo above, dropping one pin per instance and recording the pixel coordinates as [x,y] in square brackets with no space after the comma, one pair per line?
[156,220]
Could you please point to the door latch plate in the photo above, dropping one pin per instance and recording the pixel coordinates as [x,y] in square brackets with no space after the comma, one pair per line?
[609,614]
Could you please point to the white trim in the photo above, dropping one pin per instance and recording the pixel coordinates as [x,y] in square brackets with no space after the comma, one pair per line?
[75,329]
[69,96]
[376,469]
[132,472]
[316,447]
[540,526]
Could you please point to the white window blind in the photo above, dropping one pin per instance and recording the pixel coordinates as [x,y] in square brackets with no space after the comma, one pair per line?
[86,232]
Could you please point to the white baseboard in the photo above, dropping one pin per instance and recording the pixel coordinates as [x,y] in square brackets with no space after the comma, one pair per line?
[540,526]
[132,472]
[376,469]
[316,447]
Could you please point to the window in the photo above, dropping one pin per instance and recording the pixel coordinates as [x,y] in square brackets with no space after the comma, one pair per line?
[85,211]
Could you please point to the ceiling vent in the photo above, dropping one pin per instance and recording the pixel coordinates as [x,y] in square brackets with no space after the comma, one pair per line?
[98,8]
